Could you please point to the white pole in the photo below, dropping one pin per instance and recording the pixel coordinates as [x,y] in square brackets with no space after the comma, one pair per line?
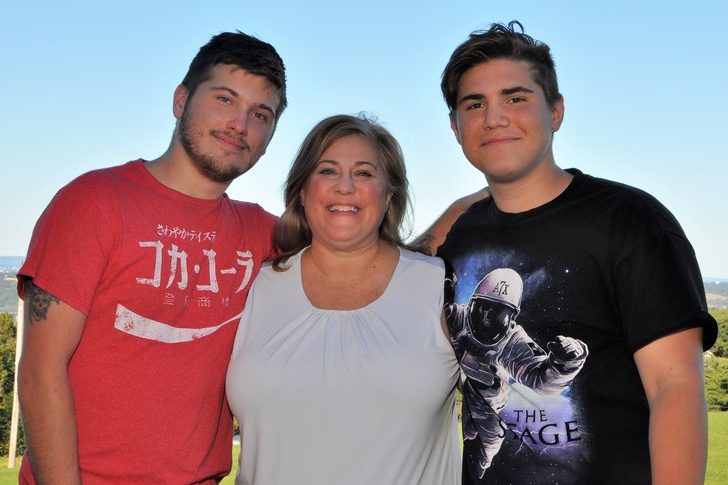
[12,446]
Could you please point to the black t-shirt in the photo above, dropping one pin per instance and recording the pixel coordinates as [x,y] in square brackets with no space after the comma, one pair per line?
[554,395]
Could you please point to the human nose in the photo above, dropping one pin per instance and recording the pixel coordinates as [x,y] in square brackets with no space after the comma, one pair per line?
[495,117]
[344,184]
[239,123]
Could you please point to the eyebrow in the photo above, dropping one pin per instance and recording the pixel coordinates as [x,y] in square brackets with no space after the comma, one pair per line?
[235,94]
[357,163]
[516,89]
[504,92]
[471,97]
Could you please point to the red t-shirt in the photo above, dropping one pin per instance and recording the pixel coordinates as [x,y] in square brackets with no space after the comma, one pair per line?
[162,279]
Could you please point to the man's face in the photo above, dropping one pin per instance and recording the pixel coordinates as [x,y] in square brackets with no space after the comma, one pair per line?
[503,122]
[227,123]
[489,320]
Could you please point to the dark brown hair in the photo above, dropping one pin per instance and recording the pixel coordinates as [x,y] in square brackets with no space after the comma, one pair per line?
[501,42]
[242,50]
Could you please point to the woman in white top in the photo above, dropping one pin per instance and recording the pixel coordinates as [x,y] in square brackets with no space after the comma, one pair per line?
[342,373]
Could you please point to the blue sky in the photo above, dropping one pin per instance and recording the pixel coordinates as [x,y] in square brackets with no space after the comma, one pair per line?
[87,84]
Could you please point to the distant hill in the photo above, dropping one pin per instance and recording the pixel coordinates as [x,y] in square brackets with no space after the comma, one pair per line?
[715,280]
[716,289]
[10,264]
[716,292]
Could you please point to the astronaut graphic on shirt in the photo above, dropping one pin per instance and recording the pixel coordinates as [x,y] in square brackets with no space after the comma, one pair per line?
[495,351]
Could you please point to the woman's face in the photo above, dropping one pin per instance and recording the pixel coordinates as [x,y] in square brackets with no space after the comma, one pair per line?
[345,197]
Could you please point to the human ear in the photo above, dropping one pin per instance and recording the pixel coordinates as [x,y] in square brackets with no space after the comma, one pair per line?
[179,101]
[557,114]
[454,126]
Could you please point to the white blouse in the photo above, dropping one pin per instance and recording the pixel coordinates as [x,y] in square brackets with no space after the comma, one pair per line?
[346,397]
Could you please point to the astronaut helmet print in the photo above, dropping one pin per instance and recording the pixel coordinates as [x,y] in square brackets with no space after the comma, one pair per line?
[495,304]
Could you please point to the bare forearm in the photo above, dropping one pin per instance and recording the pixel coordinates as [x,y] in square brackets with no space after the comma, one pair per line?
[52,332]
[678,435]
[50,426]
[435,235]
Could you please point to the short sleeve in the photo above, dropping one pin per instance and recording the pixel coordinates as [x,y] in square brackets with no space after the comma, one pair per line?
[69,248]
[660,291]
[267,222]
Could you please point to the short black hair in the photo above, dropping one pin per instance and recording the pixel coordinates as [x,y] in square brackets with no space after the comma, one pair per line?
[242,50]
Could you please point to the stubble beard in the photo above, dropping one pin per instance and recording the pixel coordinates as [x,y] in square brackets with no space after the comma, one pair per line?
[209,166]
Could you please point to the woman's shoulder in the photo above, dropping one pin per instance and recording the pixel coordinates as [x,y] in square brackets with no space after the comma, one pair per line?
[421,260]
[288,271]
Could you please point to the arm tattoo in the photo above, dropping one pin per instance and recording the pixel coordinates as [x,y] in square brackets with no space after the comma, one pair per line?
[427,239]
[39,301]
[422,244]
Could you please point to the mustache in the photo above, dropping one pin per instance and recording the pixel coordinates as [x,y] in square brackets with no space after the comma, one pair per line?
[231,135]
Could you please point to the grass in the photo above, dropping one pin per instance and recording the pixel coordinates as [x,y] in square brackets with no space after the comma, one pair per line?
[717,456]
[717,449]
[230,479]
[8,476]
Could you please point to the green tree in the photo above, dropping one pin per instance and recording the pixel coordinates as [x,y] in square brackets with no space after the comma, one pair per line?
[720,348]
[7,379]
[716,365]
